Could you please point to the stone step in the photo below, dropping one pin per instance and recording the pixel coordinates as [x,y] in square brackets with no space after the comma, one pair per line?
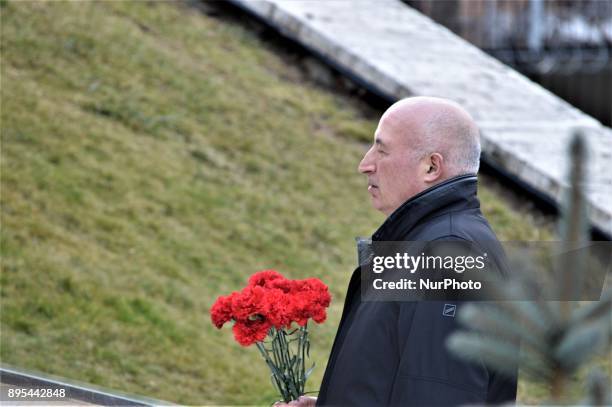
[398,52]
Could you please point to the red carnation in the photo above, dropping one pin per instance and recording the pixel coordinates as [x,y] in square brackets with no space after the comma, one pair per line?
[261,278]
[250,331]
[248,302]
[268,306]
[221,311]
[276,308]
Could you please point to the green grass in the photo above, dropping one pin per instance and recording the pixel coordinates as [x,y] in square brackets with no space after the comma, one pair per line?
[152,159]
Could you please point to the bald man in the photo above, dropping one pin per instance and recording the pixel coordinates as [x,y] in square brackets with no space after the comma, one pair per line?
[419,143]
[421,173]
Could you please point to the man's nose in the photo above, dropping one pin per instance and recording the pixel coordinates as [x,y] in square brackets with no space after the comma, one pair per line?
[367,165]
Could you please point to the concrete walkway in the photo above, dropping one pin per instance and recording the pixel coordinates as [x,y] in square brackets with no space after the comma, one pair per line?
[399,52]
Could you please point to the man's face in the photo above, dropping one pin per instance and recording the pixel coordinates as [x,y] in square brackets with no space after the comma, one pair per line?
[392,168]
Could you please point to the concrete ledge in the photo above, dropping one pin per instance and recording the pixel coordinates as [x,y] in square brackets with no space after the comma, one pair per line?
[75,393]
[399,52]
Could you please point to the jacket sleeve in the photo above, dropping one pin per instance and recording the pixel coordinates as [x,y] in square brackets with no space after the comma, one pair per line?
[428,374]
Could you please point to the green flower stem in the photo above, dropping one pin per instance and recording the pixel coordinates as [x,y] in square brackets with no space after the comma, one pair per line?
[275,380]
[287,362]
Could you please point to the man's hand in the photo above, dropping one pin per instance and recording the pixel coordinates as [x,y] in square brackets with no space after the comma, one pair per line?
[302,401]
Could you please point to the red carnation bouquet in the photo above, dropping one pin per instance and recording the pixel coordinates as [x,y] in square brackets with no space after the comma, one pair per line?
[264,313]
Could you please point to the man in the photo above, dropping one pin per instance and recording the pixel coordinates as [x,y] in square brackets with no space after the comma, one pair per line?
[421,172]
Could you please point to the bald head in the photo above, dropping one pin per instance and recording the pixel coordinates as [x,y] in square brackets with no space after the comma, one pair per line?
[419,142]
[436,125]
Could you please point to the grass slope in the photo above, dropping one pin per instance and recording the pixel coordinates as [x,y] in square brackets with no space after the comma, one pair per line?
[152,158]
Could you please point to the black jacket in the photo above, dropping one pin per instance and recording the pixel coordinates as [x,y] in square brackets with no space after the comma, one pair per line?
[394,353]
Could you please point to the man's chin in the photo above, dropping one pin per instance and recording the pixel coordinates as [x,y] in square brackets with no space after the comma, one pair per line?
[377,205]
[385,210]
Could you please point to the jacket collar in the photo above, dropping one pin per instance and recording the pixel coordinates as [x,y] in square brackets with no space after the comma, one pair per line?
[452,194]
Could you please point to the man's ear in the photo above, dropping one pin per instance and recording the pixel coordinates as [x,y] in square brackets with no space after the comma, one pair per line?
[434,167]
